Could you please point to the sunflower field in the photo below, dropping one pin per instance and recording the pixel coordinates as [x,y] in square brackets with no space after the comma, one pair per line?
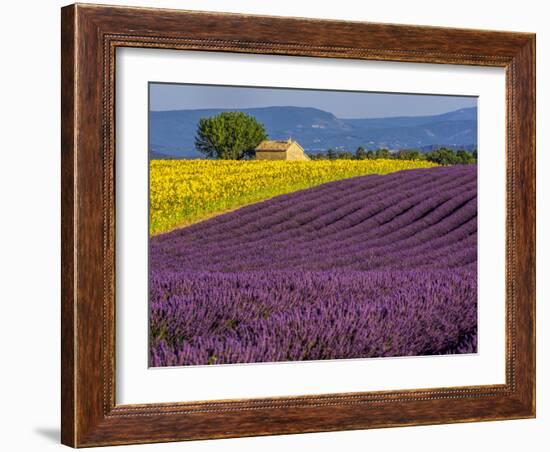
[183,192]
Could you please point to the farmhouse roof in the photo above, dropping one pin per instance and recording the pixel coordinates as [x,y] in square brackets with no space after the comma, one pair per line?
[274,145]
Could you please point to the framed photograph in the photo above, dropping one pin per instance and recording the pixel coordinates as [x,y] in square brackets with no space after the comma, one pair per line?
[282,225]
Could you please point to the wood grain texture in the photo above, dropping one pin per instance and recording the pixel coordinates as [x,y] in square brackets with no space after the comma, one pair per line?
[67,226]
[90,36]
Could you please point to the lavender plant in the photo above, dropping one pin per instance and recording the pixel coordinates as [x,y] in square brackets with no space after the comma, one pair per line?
[371,266]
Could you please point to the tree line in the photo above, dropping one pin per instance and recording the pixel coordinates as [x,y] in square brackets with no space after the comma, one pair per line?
[235,135]
[442,156]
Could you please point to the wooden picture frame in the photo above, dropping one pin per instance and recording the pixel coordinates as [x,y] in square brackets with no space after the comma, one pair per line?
[90,36]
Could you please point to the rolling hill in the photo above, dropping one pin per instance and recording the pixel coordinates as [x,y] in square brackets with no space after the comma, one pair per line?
[172,132]
[370,266]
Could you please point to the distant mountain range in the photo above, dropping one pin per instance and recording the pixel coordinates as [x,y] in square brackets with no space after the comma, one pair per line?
[172,133]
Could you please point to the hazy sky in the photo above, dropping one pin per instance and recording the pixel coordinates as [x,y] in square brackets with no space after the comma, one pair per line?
[343,104]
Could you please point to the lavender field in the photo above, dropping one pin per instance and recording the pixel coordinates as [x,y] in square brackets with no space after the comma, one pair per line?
[371,266]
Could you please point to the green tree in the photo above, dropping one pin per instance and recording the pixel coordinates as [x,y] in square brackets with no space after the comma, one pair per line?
[465,157]
[406,154]
[229,136]
[383,154]
[344,155]
[443,156]
[370,155]
[360,153]
[332,154]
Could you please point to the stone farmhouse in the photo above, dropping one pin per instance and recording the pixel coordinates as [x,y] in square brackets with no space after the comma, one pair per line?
[280,150]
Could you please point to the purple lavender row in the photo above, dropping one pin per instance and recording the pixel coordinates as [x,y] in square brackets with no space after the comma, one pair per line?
[276,252]
[419,224]
[366,218]
[245,223]
[262,217]
[287,316]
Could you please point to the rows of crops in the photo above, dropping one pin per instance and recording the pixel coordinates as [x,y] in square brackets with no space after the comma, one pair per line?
[186,191]
[371,266]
